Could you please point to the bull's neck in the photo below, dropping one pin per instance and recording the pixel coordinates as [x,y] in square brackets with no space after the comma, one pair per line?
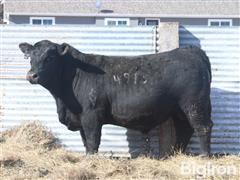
[65,91]
[70,101]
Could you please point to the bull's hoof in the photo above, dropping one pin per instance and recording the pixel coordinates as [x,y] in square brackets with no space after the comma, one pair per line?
[91,152]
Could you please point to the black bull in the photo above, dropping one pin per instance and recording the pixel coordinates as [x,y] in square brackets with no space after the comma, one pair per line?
[137,92]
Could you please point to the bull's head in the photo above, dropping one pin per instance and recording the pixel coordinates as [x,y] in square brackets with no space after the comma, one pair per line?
[46,62]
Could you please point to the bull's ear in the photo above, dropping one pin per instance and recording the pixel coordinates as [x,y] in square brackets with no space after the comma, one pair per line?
[63,49]
[26,48]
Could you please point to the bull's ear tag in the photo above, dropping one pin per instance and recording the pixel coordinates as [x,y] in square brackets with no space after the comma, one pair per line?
[26,56]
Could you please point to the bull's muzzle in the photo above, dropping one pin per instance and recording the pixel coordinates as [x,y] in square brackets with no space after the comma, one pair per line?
[32,77]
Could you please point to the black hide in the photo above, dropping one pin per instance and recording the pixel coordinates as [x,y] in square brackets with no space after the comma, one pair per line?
[137,92]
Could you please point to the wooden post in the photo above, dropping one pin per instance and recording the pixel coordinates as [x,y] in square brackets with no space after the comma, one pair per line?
[168,39]
[167,36]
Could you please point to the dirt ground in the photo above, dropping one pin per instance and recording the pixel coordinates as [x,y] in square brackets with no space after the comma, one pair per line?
[30,151]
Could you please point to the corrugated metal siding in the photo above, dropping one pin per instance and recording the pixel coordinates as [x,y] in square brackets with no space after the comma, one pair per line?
[22,101]
[222,46]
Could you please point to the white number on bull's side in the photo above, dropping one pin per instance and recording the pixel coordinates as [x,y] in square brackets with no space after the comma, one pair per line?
[145,80]
[135,78]
[126,78]
[116,78]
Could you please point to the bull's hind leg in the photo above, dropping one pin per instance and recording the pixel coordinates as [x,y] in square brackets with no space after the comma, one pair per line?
[198,113]
[183,130]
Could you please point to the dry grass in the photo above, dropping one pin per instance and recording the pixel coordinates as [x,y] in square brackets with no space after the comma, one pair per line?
[29,151]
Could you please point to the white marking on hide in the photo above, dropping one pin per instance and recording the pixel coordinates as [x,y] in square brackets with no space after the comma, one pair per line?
[116,79]
[127,76]
[135,78]
[92,97]
[145,80]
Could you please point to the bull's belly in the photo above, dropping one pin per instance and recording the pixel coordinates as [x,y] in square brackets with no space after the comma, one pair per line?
[142,110]
[143,114]
[142,122]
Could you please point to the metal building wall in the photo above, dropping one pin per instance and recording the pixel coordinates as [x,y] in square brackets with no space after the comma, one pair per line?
[222,46]
[22,101]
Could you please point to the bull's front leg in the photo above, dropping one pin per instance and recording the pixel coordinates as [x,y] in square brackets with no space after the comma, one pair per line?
[82,133]
[92,130]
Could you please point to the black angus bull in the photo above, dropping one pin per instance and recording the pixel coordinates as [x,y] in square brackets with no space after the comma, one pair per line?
[137,92]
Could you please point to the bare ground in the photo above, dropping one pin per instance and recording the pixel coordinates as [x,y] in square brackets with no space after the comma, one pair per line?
[30,151]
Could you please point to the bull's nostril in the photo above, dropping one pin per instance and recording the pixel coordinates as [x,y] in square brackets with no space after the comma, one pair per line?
[34,75]
[31,76]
